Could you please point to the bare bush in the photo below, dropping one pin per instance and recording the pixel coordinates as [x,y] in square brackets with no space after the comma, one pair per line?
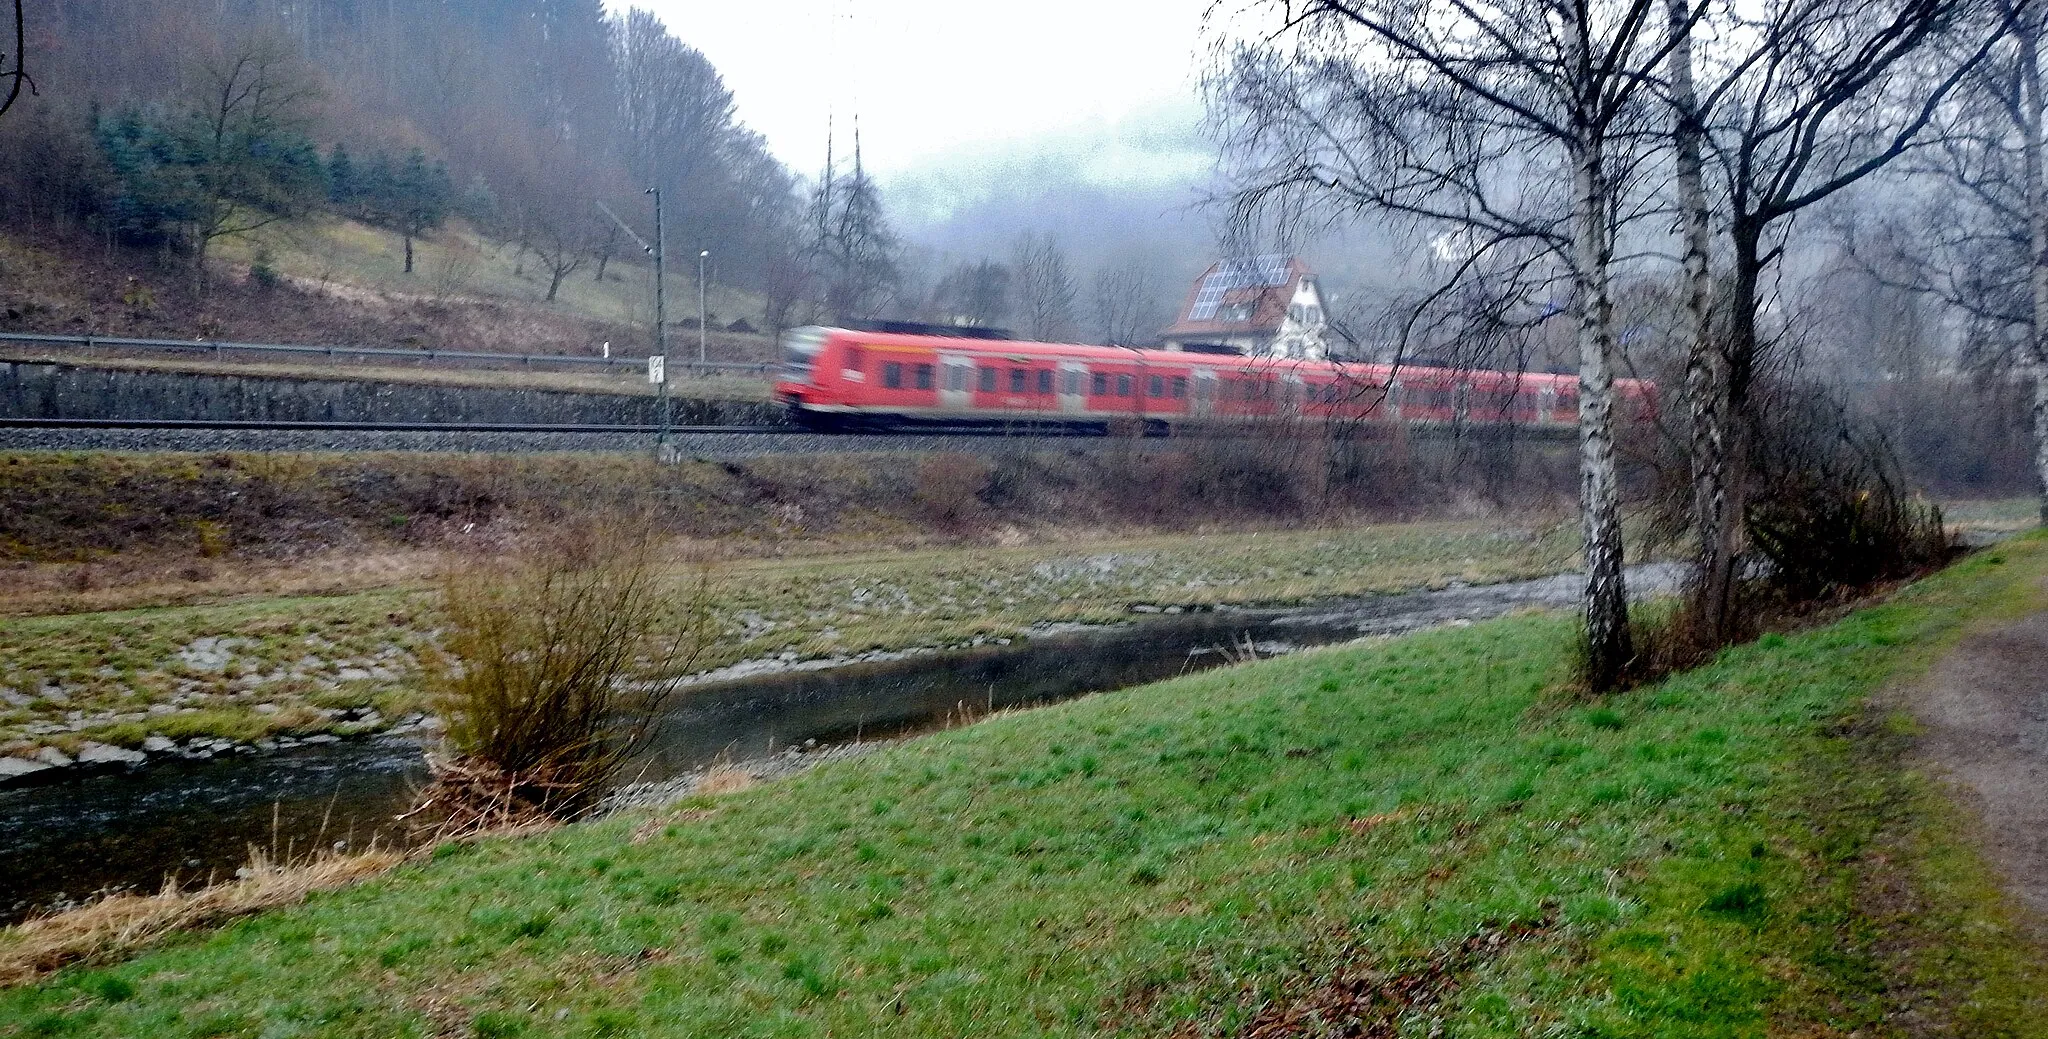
[949,487]
[558,657]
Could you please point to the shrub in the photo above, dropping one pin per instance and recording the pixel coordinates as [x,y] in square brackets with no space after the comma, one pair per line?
[558,657]
[949,487]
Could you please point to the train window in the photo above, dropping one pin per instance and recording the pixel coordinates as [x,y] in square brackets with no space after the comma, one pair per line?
[1045,382]
[924,376]
[1180,387]
[1123,385]
[956,377]
[1157,387]
[1073,384]
[1017,380]
[1101,387]
[1205,389]
[855,359]
[988,380]
[892,375]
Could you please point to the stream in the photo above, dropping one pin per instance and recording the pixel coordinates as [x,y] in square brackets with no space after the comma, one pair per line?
[200,820]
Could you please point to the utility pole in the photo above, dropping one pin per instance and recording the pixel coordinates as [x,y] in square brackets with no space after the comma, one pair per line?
[661,322]
[701,257]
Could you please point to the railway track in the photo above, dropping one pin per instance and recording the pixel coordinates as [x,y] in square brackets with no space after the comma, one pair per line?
[218,435]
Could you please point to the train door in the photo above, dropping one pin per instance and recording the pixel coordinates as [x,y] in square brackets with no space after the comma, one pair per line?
[1293,394]
[1204,403]
[1546,405]
[1073,398]
[956,382]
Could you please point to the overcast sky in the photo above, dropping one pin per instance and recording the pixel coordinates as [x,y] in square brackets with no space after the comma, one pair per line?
[945,82]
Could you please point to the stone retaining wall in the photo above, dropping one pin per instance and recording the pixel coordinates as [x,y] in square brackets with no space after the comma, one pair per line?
[55,390]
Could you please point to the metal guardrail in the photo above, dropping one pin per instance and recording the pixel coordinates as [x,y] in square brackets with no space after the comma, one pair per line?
[219,348]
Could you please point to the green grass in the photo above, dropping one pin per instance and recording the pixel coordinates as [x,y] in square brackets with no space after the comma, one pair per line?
[1690,859]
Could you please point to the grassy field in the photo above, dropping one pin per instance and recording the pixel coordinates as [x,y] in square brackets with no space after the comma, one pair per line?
[1428,836]
[455,262]
[258,666]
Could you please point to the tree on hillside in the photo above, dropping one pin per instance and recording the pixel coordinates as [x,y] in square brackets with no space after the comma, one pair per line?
[976,294]
[251,160]
[1514,127]
[853,249]
[411,197]
[1126,298]
[1044,287]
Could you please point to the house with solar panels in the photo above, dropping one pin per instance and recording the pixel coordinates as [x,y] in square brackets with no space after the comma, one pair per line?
[1257,306]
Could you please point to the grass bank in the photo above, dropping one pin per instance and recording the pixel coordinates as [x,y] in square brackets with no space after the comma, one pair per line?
[1423,836]
[294,665]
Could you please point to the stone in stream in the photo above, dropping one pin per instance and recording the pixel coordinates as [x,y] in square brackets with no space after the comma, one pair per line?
[13,769]
[103,754]
[53,757]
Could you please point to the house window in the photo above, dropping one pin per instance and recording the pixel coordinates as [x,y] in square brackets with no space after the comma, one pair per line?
[892,375]
[1101,387]
[1123,385]
[988,380]
[924,376]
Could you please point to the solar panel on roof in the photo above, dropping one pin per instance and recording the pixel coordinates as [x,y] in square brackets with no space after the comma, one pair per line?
[1237,272]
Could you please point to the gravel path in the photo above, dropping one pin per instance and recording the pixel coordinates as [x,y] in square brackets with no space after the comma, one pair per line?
[701,445]
[1985,708]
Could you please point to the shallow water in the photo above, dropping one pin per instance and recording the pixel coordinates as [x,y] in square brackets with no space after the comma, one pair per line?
[195,819]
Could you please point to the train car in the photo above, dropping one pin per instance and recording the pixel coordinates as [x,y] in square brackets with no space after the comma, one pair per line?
[842,379]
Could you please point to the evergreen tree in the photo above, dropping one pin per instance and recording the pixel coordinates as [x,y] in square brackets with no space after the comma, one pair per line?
[343,190]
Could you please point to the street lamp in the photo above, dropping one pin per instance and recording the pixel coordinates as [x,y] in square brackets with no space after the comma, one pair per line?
[701,257]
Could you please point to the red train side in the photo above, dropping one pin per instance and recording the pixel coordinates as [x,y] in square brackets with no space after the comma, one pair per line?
[837,378]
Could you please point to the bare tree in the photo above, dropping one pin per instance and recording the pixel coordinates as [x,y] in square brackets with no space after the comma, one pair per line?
[1829,93]
[853,249]
[255,100]
[1044,286]
[977,294]
[1516,125]
[17,77]
[1125,299]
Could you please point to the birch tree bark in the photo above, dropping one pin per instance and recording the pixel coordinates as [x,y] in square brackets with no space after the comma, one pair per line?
[1705,367]
[2029,113]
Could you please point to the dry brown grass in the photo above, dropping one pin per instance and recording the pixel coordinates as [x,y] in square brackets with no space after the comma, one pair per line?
[725,780]
[139,580]
[119,926]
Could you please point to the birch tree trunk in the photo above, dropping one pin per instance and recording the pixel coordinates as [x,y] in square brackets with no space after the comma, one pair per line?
[2036,360]
[1608,648]
[1705,367]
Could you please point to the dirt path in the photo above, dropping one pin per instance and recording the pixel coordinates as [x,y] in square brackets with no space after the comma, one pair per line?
[1985,709]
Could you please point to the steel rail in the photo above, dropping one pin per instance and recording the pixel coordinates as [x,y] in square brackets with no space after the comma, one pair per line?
[394,427]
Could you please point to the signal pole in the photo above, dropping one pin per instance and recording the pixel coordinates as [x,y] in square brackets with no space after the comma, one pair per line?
[661,323]
[701,257]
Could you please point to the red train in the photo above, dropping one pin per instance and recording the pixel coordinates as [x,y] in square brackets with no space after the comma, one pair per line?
[838,379]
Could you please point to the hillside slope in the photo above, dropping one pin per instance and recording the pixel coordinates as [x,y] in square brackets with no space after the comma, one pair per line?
[342,282]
